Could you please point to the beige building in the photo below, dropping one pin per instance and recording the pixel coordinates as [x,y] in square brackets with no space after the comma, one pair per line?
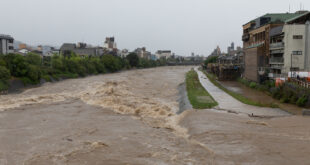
[290,46]
[142,53]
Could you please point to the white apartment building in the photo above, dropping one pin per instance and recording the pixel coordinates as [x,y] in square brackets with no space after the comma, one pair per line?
[6,44]
[290,46]
[163,54]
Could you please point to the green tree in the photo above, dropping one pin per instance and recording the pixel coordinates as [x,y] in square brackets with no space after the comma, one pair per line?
[111,63]
[17,65]
[100,68]
[4,73]
[33,59]
[2,61]
[33,73]
[144,63]
[57,63]
[133,59]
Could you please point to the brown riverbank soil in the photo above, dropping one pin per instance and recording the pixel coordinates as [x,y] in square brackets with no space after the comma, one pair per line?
[260,96]
[131,118]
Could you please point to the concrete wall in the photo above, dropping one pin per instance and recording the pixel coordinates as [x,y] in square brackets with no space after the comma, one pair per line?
[251,64]
[294,45]
[4,44]
[91,52]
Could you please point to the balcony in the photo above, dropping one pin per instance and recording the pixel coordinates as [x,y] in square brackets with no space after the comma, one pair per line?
[277,51]
[276,60]
[278,45]
[245,37]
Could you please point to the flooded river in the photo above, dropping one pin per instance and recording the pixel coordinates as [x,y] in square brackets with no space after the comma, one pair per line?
[132,118]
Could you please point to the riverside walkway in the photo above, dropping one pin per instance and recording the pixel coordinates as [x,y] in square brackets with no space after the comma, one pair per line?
[228,103]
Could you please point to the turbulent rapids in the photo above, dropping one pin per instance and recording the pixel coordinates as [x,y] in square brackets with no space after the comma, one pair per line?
[131,118]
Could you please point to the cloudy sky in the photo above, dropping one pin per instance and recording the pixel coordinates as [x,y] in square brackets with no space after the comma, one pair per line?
[184,26]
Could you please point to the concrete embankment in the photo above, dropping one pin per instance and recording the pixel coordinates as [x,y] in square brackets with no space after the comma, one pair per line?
[184,103]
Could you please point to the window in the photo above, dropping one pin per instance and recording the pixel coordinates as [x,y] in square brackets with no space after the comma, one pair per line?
[297,52]
[297,37]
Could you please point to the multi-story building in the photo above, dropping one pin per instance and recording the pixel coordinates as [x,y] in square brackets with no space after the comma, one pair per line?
[47,50]
[290,46]
[163,54]
[110,43]
[80,49]
[124,53]
[142,53]
[231,49]
[256,43]
[6,44]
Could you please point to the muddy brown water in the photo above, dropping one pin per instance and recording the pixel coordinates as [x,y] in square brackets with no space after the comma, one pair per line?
[131,118]
[260,96]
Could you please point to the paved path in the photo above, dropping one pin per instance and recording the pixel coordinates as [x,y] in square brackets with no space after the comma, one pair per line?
[227,102]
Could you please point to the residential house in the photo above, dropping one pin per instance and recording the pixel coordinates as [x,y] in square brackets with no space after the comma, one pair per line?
[47,50]
[256,43]
[23,51]
[124,53]
[6,44]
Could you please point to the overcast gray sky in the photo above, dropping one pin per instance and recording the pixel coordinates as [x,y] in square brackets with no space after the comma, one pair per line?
[184,26]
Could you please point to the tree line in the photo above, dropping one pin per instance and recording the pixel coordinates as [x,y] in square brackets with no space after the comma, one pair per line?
[32,68]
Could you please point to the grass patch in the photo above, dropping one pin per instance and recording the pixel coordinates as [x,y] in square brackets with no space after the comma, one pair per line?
[197,95]
[238,96]
[3,85]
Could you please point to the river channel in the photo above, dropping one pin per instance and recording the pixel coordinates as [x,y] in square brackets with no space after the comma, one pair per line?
[132,118]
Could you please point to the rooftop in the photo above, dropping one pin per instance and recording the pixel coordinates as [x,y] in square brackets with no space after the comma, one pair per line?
[279,17]
[299,16]
[2,36]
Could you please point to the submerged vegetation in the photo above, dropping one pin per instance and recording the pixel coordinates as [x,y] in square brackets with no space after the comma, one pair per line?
[238,96]
[32,68]
[286,93]
[197,95]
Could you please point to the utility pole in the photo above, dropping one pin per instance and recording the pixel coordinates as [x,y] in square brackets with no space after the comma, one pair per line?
[291,65]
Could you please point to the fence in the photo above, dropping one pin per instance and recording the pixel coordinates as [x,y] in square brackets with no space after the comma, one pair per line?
[302,83]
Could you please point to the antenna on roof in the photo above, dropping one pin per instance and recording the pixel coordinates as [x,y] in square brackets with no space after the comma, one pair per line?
[303,6]
[289,8]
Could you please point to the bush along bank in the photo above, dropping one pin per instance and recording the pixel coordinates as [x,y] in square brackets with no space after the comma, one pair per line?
[287,93]
[238,96]
[197,95]
[32,68]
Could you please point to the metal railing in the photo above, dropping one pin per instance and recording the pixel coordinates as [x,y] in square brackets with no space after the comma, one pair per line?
[276,60]
[277,45]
